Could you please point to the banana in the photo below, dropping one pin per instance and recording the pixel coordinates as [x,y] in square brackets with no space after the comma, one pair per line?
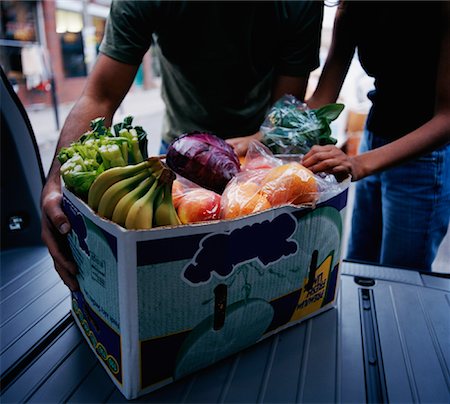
[140,215]
[122,208]
[109,177]
[115,193]
[165,213]
[156,165]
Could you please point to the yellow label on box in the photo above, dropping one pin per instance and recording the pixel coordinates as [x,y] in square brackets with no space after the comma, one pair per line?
[311,298]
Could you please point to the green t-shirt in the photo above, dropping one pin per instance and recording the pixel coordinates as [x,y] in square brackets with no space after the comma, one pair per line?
[218,59]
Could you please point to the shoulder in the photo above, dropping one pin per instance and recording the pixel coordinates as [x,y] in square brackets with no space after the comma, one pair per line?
[136,9]
[296,11]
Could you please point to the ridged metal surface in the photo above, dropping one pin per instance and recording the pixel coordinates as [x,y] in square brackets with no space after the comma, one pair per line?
[325,359]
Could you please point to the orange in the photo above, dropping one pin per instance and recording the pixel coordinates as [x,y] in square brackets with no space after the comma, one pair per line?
[243,199]
[289,183]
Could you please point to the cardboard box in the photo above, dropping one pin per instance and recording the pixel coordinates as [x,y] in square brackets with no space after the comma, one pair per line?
[159,304]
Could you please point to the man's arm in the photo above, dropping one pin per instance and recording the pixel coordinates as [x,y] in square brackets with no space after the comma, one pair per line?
[295,86]
[105,89]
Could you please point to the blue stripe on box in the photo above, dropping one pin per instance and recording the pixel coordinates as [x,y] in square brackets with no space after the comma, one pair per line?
[179,248]
[167,250]
[339,201]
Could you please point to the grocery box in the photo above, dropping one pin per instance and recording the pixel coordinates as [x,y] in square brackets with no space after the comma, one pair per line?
[156,305]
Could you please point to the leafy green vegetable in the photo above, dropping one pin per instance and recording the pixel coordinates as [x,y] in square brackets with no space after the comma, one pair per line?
[329,112]
[98,150]
[138,131]
[292,128]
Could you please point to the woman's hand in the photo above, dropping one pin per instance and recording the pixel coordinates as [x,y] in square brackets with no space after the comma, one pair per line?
[332,160]
[240,144]
[55,227]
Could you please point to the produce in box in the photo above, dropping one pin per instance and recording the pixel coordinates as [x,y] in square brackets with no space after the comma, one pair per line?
[100,149]
[135,197]
[194,203]
[204,159]
[267,181]
[111,173]
[292,128]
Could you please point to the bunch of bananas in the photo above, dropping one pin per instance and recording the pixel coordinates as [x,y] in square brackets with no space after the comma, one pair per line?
[135,196]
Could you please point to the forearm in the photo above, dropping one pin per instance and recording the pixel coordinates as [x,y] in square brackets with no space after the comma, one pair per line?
[106,87]
[85,110]
[431,136]
[295,86]
[337,63]
[330,83]
[282,85]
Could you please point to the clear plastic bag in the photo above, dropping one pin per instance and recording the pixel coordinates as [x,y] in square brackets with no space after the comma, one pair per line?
[291,127]
[194,203]
[268,180]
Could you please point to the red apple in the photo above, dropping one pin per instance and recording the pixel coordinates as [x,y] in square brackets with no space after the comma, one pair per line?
[258,163]
[177,192]
[199,205]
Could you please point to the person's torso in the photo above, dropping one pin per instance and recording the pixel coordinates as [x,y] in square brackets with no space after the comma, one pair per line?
[398,44]
[217,64]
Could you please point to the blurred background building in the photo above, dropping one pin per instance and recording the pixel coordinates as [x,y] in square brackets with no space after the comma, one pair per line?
[48,47]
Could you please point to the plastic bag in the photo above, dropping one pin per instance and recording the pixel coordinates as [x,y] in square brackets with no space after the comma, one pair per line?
[194,203]
[291,127]
[268,181]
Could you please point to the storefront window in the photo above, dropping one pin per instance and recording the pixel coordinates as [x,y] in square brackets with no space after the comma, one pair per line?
[18,28]
[99,24]
[18,20]
[69,26]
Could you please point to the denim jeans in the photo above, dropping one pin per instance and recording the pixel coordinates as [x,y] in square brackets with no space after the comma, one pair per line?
[163,147]
[401,215]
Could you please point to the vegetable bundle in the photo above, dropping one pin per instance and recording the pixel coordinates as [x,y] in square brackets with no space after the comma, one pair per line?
[292,128]
[100,149]
[203,158]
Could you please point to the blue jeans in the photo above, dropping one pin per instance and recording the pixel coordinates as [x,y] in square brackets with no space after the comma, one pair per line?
[163,147]
[401,215]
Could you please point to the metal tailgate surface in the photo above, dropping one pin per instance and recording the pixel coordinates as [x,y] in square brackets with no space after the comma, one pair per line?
[387,340]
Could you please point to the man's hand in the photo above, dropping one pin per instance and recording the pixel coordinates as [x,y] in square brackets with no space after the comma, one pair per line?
[240,144]
[332,160]
[55,227]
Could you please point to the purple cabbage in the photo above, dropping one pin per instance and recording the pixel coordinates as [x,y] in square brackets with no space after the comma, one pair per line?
[204,159]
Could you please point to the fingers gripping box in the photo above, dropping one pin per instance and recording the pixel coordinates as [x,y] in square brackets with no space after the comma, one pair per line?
[157,305]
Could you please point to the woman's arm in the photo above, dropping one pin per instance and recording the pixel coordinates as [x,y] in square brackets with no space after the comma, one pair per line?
[338,60]
[104,91]
[433,134]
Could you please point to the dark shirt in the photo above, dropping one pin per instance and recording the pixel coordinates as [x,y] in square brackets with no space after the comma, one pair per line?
[218,59]
[398,44]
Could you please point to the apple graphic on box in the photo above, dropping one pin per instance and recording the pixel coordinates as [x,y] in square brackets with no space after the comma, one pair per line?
[246,321]
[199,205]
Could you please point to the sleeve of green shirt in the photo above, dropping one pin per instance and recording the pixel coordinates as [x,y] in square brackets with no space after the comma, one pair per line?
[129,29]
[300,43]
